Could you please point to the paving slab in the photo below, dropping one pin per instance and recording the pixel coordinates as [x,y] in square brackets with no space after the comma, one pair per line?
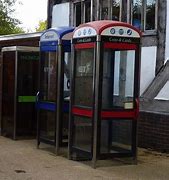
[21,160]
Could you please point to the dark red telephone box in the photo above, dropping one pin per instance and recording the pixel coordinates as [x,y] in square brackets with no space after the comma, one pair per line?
[104,91]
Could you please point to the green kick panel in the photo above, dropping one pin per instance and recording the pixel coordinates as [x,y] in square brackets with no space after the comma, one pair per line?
[26,99]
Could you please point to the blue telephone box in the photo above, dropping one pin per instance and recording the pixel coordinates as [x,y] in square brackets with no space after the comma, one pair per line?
[53,95]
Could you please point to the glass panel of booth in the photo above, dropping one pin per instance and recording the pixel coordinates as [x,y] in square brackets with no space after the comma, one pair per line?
[82,137]
[117,93]
[116,136]
[48,93]
[82,133]
[48,90]
[48,76]
[118,79]
[8,89]
[67,64]
[28,65]
[47,125]
[27,85]
[84,61]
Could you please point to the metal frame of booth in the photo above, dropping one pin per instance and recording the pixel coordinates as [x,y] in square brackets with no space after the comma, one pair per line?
[54,43]
[18,93]
[91,123]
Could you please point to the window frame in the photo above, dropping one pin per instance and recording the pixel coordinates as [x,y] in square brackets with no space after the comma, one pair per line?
[143,17]
[83,9]
[96,13]
[74,11]
[110,10]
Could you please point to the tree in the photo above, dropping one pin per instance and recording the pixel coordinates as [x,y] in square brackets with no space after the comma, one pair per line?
[41,26]
[8,24]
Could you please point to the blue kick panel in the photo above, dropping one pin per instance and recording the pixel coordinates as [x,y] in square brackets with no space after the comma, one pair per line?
[51,106]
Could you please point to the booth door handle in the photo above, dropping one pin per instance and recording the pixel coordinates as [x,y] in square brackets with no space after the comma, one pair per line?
[37,96]
[137,108]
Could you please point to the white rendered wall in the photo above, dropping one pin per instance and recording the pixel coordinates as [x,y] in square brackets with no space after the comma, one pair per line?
[60,15]
[148,64]
[164,93]
[167,33]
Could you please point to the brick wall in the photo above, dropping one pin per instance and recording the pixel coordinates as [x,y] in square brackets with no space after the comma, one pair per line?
[153,131]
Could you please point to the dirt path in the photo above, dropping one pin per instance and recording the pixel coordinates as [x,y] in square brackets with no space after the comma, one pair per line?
[20,160]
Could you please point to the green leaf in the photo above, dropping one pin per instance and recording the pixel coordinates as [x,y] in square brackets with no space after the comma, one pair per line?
[8,24]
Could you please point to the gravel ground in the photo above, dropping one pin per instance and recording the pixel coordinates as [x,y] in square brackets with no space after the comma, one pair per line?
[20,160]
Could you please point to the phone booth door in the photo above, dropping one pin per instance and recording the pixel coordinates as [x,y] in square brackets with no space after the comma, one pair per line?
[27,85]
[119,98]
[82,103]
[8,94]
[53,97]
[47,96]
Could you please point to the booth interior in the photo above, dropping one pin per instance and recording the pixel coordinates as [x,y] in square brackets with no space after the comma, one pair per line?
[19,85]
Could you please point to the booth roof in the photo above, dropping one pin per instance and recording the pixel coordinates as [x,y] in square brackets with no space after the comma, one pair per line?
[99,26]
[20,36]
[60,31]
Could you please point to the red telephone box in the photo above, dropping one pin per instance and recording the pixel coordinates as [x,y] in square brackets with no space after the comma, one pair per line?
[104,91]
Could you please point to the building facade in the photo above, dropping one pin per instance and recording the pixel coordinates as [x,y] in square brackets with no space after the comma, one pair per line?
[151,17]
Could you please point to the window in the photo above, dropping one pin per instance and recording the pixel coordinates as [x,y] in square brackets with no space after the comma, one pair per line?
[140,13]
[144,14]
[150,15]
[104,10]
[115,10]
[77,13]
[136,12]
[82,12]
[110,9]
[87,11]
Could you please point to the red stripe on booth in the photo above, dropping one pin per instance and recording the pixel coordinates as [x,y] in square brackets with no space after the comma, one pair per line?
[82,112]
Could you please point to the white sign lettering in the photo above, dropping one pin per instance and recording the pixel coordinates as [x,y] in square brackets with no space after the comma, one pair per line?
[50,35]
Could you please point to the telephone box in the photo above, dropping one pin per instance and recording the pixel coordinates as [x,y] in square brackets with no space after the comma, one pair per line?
[104,91]
[53,95]
[19,87]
